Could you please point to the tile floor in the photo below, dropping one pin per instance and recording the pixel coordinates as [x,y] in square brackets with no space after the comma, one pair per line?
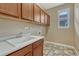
[56,50]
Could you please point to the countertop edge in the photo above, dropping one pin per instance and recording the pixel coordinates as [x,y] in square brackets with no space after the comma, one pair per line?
[23,45]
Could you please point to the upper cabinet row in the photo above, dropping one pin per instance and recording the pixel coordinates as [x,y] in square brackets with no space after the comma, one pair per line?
[26,11]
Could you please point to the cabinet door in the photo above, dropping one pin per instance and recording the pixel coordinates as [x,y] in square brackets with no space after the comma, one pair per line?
[46,18]
[9,9]
[42,17]
[38,51]
[27,11]
[38,48]
[37,13]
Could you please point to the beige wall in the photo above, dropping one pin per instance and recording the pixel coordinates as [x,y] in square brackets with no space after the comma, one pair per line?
[64,36]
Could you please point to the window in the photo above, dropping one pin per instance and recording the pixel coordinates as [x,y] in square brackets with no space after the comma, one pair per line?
[63,18]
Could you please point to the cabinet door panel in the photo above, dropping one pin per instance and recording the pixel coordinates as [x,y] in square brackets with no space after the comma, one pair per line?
[9,8]
[27,11]
[42,17]
[37,13]
[45,18]
[38,48]
[38,51]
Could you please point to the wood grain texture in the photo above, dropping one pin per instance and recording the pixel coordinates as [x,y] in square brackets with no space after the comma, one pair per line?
[27,11]
[9,9]
[37,13]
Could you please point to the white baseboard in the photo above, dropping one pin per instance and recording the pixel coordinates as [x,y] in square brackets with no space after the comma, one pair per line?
[60,44]
[76,52]
[64,46]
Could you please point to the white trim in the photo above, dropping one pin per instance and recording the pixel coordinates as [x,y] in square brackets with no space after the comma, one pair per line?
[68,19]
[64,46]
[60,44]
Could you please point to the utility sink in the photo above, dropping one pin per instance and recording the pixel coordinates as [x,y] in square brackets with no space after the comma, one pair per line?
[19,41]
[4,47]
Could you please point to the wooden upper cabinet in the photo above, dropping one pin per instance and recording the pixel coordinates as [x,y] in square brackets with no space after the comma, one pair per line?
[42,17]
[27,11]
[9,9]
[37,13]
[45,18]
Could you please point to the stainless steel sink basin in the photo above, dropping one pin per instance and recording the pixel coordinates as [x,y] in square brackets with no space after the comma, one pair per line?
[19,41]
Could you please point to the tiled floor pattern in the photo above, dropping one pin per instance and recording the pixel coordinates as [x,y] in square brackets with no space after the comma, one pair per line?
[56,50]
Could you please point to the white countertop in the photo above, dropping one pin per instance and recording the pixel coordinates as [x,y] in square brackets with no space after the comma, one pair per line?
[7,47]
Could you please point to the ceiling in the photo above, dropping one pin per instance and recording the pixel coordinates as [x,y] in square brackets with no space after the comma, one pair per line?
[46,6]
